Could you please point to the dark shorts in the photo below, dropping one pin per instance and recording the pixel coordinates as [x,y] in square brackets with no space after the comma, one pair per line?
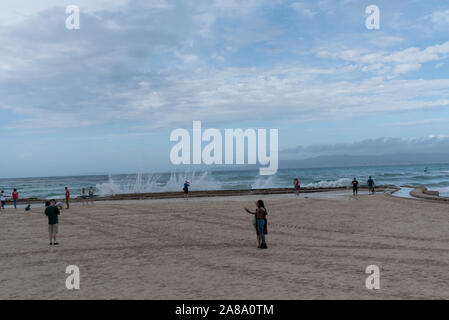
[186,191]
[91,196]
[84,197]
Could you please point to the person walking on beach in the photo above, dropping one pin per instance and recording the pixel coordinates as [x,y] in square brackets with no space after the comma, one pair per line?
[91,195]
[52,212]
[67,197]
[186,189]
[3,200]
[355,187]
[371,185]
[84,196]
[297,186]
[15,197]
[260,216]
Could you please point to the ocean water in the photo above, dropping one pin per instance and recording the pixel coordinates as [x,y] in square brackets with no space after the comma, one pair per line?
[436,178]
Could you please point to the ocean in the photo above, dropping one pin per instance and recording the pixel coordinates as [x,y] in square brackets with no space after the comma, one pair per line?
[436,178]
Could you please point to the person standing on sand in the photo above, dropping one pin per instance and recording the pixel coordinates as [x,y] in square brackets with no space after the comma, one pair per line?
[260,216]
[297,186]
[91,195]
[15,197]
[355,187]
[84,196]
[67,197]
[186,189]
[370,184]
[52,212]
[3,200]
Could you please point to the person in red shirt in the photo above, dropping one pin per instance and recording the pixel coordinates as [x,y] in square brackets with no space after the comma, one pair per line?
[67,196]
[15,197]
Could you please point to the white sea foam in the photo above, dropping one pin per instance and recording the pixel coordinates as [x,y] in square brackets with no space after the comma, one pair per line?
[444,192]
[198,181]
[344,182]
[263,182]
[139,185]
[155,183]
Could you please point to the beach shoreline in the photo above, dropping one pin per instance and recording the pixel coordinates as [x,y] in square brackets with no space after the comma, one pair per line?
[201,193]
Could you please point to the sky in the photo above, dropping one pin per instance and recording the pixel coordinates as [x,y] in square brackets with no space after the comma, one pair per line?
[104,98]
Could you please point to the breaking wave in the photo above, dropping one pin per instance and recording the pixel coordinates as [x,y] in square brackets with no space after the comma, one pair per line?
[263,182]
[146,183]
[344,182]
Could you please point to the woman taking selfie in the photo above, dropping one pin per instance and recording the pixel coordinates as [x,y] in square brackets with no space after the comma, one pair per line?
[260,218]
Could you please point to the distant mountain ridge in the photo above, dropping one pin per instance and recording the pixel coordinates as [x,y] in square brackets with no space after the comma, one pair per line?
[328,161]
[369,160]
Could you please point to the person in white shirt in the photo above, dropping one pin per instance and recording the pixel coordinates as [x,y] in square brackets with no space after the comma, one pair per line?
[3,199]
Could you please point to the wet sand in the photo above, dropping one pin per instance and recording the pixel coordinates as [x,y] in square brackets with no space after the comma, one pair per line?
[205,248]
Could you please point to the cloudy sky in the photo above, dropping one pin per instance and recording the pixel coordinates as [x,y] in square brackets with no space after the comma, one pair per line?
[105,98]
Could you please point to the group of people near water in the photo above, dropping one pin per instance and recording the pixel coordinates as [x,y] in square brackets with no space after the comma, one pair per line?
[355,186]
[369,182]
[86,196]
[3,197]
[53,208]
[260,213]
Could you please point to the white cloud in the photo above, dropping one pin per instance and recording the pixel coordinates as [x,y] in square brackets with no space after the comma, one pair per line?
[391,63]
[16,11]
[240,7]
[170,68]
[406,68]
[281,94]
[416,55]
[386,41]
[439,18]
[204,21]
[303,9]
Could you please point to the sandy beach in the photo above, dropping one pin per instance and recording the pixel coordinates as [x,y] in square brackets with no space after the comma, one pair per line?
[205,248]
